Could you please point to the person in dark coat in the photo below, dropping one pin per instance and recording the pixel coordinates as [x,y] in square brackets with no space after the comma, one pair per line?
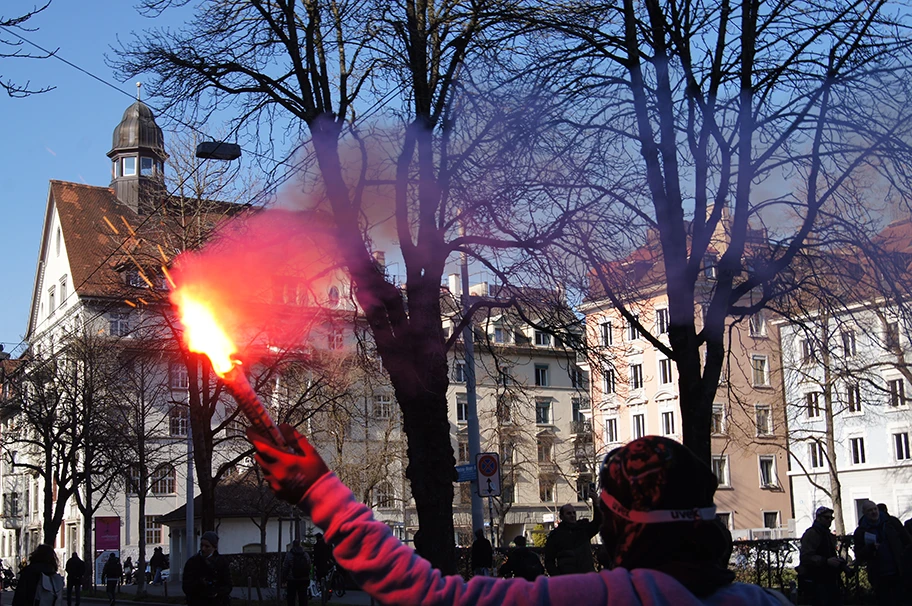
[42,561]
[206,579]
[482,554]
[819,564]
[110,576]
[296,573]
[522,562]
[323,557]
[156,565]
[568,549]
[880,541]
[75,573]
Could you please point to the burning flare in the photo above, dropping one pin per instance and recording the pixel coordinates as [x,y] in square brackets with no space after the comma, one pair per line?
[202,332]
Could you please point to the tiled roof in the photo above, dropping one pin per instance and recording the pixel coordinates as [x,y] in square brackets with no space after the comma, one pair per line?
[237,497]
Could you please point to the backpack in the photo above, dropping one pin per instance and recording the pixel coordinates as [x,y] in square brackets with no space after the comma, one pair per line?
[300,566]
[48,590]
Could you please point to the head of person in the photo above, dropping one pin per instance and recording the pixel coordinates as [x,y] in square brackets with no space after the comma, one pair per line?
[882,507]
[870,511]
[520,541]
[656,499]
[319,537]
[479,533]
[44,554]
[567,513]
[209,543]
[824,516]
[296,543]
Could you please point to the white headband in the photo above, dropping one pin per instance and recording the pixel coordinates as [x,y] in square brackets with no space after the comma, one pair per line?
[658,515]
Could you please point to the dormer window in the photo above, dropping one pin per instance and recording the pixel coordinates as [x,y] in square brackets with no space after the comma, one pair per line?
[146,166]
[129,166]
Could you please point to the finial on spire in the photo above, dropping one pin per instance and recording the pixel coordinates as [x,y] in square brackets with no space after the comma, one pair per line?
[138,87]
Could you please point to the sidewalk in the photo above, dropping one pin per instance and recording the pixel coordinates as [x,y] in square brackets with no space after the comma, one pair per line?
[156,596]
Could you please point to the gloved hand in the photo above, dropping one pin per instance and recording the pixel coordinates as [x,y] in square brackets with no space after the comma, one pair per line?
[290,474]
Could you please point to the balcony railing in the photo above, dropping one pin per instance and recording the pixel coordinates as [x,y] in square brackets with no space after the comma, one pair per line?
[584,426]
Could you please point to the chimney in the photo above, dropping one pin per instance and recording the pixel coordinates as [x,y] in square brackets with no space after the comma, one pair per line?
[454,285]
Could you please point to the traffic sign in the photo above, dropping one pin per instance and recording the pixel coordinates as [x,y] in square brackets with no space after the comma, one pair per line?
[488,466]
[465,473]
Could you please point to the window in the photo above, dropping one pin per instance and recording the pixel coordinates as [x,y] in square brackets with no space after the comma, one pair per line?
[383,406]
[818,455]
[505,377]
[145,166]
[633,333]
[848,343]
[462,407]
[760,371]
[541,375]
[720,468]
[639,426]
[577,406]
[897,392]
[333,296]
[178,420]
[577,378]
[544,451]
[11,505]
[582,488]
[725,519]
[508,493]
[857,450]
[608,381]
[384,495]
[462,451]
[807,351]
[901,446]
[459,372]
[63,291]
[757,325]
[636,376]
[668,423]
[118,325]
[853,397]
[709,266]
[891,335]
[335,339]
[665,374]
[611,431]
[504,406]
[764,420]
[546,490]
[662,321]
[768,477]
[498,335]
[606,333]
[718,419]
[771,519]
[177,376]
[812,404]
[59,240]
[542,411]
[542,339]
[129,166]
[153,531]
[52,299]
[164,480]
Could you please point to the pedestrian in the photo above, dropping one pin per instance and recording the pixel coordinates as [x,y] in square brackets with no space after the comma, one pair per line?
[880,541]
[156,565]
[111,575]
[39,581]
[75,573]
[482,554]
[323,557]
[658,529]
[568,549]
[296,573]
[820,567]
[521,562]
[206,579]
[128,570]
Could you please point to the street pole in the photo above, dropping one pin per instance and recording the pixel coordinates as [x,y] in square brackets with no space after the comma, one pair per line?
[191,523]
[468,339]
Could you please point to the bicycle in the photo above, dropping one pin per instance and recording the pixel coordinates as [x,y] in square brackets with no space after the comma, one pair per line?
[332,583]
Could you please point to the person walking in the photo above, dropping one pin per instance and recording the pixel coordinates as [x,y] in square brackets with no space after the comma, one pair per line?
[820,567]
[296,573]
[482,554]
[128,570]
[75,573]
[663,543]
[110,576]
[323,557]
[39,579]
[568,549]
[156,565]
[522,562]
[206,579]
[880,541]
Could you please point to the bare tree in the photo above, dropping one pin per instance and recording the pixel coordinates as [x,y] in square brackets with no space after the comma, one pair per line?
[11,47]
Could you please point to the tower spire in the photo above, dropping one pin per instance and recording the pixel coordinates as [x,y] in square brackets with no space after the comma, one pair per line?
[138,90]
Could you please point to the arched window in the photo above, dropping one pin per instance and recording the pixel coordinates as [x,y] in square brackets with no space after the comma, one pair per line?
[333,296]
[164,480]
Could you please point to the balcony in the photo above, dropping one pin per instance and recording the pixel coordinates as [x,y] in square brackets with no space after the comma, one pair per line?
[581,427]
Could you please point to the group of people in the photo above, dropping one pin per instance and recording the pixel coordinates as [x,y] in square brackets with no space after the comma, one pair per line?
[881,543]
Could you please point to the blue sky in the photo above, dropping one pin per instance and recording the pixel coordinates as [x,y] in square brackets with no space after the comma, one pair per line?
[63,134]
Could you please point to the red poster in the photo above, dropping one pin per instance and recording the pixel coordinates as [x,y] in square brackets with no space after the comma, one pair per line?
[107,533]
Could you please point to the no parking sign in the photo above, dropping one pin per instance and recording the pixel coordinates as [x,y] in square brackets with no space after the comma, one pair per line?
[488,466]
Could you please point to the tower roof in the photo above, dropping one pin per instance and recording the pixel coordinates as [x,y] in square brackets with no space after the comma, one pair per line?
[138,129]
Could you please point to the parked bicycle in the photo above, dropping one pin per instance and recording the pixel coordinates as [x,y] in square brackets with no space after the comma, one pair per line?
[332,583]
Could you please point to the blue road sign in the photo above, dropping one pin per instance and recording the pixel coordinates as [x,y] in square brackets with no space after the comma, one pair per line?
[465,473]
